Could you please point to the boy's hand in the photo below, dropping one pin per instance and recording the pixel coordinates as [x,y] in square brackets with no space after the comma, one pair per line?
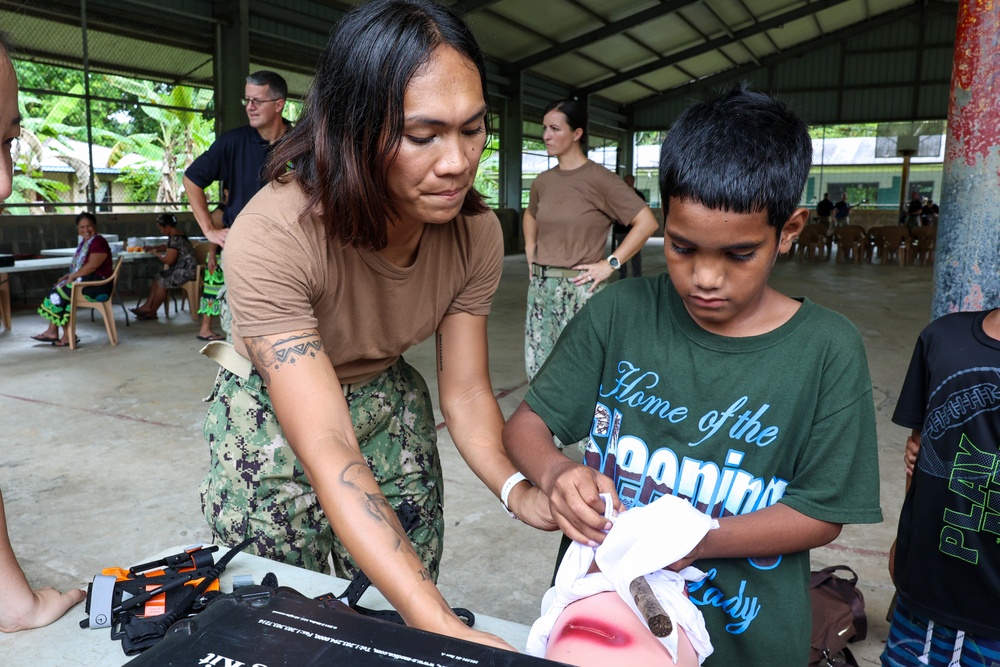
[911,453]
[892,562]
[576,504]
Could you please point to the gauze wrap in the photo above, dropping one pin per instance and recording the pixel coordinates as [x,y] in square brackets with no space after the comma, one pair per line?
[642,541]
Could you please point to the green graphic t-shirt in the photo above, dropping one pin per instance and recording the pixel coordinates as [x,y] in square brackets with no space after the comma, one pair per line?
[731,424]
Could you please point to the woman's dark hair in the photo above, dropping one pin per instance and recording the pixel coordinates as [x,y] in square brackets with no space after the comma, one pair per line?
[352,121]
[166,220]
[743,151]
[86,214]
[575,112]
[6,45]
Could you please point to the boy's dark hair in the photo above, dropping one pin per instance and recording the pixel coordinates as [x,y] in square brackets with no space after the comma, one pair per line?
[166,220]
[352,121]
[274,82]
[575,112]
[743,151]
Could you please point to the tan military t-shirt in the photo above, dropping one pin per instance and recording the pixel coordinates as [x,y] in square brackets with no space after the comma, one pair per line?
[575,209]
[283,275]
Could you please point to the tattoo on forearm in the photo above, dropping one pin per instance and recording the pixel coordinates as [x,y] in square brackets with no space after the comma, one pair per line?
[440,351]
[267,356]
[424,574]
[376,505]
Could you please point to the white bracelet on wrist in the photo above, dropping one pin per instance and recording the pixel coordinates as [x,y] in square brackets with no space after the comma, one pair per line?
[511,482]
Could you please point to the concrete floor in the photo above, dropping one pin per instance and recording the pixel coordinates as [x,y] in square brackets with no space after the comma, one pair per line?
[102,451]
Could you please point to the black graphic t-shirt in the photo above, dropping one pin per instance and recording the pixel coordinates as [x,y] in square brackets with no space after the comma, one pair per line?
[948,543]
[732,425]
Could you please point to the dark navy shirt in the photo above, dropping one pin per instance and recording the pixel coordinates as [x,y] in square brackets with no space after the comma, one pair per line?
[237,159]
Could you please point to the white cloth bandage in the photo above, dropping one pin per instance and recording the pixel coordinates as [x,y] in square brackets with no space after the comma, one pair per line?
[642,541]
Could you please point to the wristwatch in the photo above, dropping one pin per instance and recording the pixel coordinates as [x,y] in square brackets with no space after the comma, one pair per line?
[613,261]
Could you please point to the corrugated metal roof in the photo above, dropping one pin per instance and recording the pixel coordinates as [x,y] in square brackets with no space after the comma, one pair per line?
[837,60]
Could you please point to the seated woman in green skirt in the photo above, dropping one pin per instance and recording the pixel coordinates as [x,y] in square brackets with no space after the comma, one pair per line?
[91,261]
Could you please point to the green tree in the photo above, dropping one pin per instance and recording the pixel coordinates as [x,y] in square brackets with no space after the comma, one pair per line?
[181,134]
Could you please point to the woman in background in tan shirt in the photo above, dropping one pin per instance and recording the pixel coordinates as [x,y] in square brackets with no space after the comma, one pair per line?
[373,242]
[570,211]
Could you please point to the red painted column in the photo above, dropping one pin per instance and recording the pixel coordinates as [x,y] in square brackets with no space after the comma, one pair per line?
[967,266]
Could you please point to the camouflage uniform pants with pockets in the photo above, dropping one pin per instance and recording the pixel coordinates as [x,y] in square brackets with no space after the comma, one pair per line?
[255,484]
[552,303]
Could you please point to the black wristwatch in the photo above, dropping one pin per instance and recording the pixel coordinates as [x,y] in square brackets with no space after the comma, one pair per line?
[613,261]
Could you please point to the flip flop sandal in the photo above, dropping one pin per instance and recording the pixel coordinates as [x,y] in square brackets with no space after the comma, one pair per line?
[42,338]
[59,343]
[211,338]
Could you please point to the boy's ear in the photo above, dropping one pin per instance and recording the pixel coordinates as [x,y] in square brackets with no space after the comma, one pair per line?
[792,229]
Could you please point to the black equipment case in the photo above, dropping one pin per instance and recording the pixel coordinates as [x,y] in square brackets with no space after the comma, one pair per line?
[275,627]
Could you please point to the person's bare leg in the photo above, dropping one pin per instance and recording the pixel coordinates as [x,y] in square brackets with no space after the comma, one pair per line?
[206,328]
[157,295]
[49,334]
[64,339]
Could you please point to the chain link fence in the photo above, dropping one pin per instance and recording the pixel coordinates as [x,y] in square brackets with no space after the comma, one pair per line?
[116,105]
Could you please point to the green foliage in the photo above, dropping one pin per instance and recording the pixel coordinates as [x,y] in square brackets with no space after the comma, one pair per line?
[141,183]
[488,176]
[165,125]
[841,131]
[650,138]
[33,184]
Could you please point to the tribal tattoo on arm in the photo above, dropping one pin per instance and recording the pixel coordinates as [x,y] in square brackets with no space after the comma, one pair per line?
[439,339]
[268,356]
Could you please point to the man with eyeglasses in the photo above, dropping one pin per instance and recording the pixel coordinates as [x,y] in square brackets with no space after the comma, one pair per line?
[238,156]
[237,159]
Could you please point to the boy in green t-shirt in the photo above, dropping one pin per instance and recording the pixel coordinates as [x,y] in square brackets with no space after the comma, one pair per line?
[710,385]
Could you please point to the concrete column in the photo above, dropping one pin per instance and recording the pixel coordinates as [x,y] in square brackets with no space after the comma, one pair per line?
[511,137]
[966,275]
[232,62]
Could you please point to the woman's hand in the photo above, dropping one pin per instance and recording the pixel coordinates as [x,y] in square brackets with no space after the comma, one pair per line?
[484,638]
[449,625]
[593,274]
[531,506]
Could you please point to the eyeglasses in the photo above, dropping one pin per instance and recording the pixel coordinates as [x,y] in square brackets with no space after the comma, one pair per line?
[254,102]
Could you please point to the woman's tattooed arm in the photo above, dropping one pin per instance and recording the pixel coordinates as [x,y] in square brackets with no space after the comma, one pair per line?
[270,353]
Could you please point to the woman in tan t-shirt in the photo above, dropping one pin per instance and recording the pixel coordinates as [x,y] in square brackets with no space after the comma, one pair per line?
[570,211]
[374,240]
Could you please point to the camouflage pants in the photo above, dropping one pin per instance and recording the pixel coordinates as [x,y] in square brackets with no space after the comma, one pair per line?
[225,315]
[255,484]
[552,303]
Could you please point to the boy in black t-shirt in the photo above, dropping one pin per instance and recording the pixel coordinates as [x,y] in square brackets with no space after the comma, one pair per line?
[945,561]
